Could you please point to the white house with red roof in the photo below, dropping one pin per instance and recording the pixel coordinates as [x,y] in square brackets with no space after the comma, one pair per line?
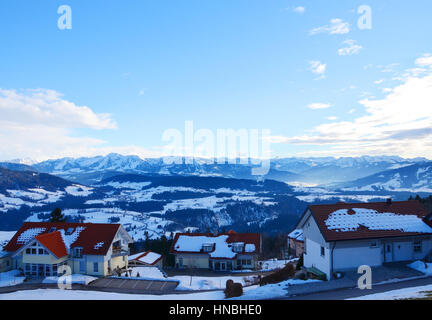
[343,236]
[40,249]
[219,252]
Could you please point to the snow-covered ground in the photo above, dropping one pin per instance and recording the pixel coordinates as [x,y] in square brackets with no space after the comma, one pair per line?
[406,293]
[75,278]
[57,294]
[208,283]
[147,273]
[250,293]
[426,268]
[271,290]
[274,264]
[10,278]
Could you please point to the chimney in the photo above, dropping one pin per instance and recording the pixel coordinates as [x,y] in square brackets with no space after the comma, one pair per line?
[389,201]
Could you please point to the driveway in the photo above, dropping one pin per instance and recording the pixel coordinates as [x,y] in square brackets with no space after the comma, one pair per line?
[350,293]
[386,273]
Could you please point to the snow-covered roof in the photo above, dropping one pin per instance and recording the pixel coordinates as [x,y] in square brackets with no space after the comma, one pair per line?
[147,257]
[297,235]
[93,238]
[345,221]
[223,244]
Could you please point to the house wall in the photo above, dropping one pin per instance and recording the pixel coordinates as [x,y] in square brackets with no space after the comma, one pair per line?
[313,241]
[118,262]
[353,254]
[199,261]
[42,259]
[102,265]
[252,258]
[296,247]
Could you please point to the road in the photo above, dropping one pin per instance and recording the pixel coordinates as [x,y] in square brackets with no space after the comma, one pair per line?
[342,294]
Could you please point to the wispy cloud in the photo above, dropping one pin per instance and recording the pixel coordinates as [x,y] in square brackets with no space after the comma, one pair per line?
[424,61]
[317,106]
[351,48]
[299,9]
[336,26]
[318,68]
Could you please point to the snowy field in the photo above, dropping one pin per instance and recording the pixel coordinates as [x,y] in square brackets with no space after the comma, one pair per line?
[426,268]
[10,278]
[250,293]
[75,279]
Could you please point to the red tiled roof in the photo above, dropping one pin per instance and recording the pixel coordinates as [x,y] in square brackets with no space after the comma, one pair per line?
[89,237]
[247,238]
[321,214]
[54,243]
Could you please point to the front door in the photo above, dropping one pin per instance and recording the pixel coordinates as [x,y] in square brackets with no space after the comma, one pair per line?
[388,252]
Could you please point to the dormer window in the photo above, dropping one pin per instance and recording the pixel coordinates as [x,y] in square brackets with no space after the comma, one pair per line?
[69,231]
[237,247]
[208,247]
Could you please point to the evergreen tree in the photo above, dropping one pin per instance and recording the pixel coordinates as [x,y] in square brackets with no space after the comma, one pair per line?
[57,216]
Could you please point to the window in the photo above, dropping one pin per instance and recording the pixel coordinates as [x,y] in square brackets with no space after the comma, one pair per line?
[207,247]
[28,251]
[374,244]
[41,251]
[95,267]
[78,252]
[322,252]
[417,246]
[304,246]
[237,247]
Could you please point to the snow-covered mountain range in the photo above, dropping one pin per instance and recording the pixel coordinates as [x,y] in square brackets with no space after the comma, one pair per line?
[413,178]
[291,170]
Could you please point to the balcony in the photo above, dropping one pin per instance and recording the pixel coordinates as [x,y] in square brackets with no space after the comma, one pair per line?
[117,252]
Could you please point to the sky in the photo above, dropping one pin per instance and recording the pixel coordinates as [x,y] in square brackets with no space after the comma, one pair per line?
[315,78]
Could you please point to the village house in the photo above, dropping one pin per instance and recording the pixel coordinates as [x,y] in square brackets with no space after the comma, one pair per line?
[39,249]
[218,252]
[296,243]
[343,236]
[146,259]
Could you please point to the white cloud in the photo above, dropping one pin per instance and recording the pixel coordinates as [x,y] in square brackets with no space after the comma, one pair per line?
[398,124]
[318,68]
[40,124]
[317,106]
[351,48]
[332,118]
[336,26]
[46,107]
[299,10]
[425,61]
[379,81]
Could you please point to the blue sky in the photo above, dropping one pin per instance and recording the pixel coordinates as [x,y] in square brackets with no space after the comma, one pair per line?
[129,70]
